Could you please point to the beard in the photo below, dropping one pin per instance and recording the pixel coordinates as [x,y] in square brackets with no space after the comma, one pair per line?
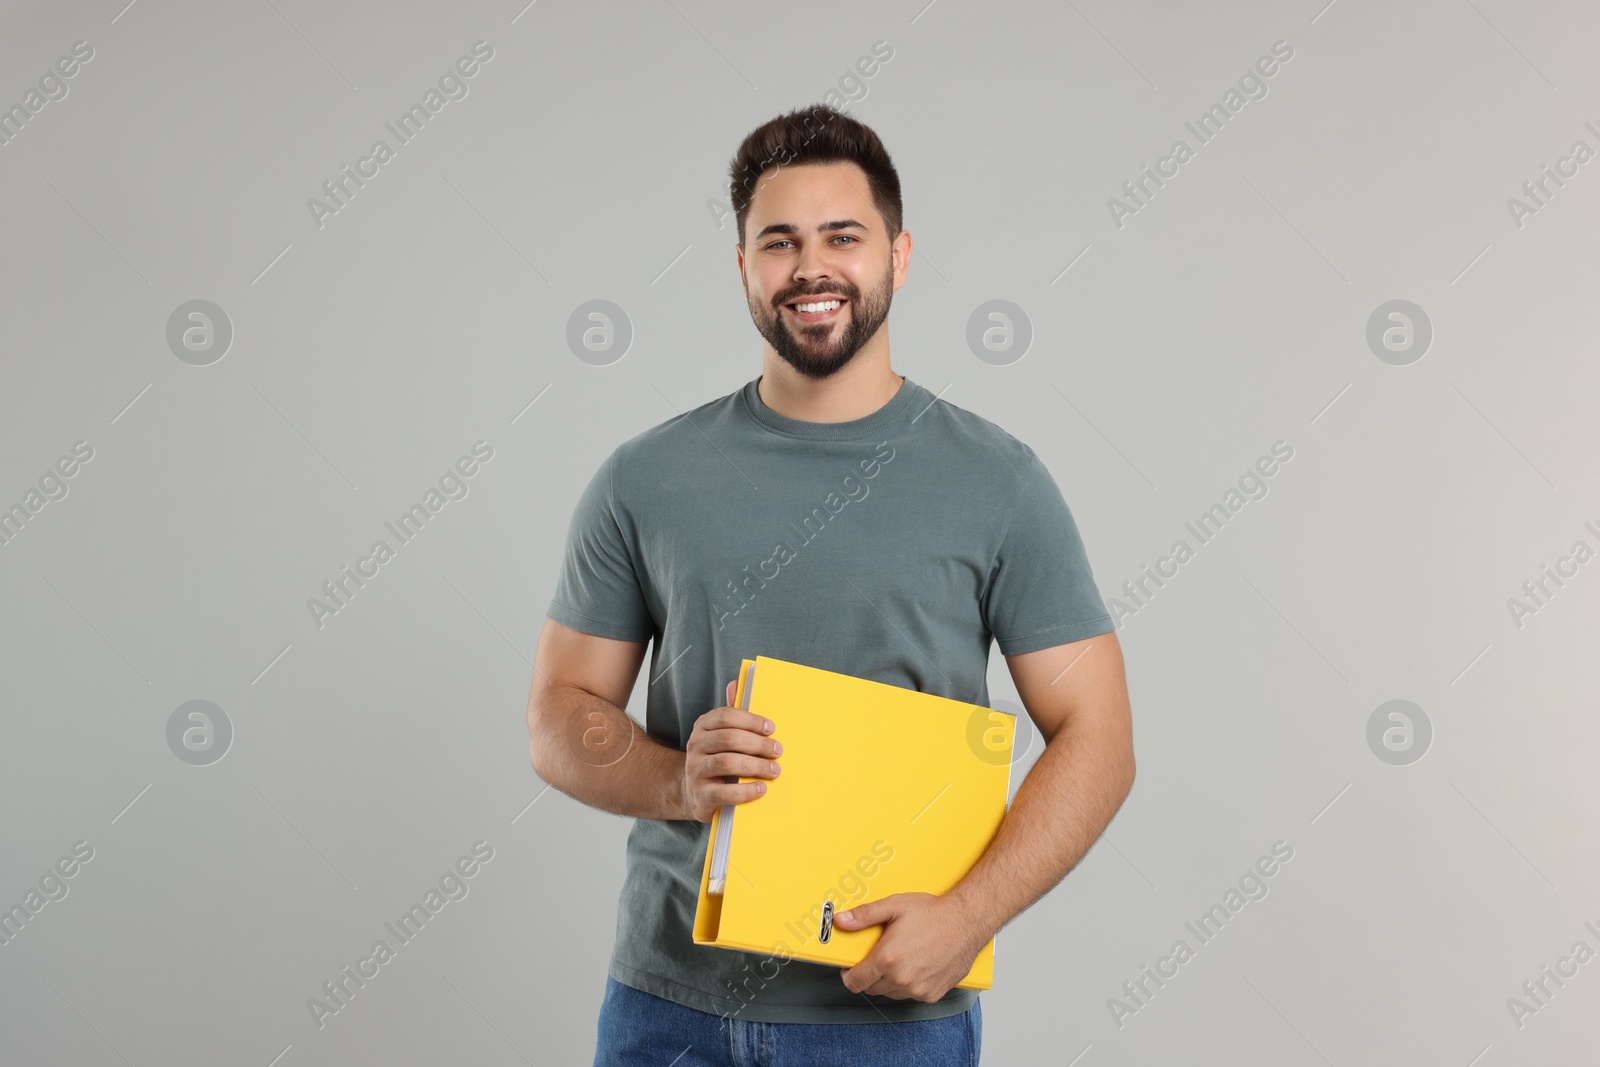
[822,350]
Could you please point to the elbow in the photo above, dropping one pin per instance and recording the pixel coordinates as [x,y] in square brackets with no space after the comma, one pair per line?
[538,743]
[552,717]
[1129,770]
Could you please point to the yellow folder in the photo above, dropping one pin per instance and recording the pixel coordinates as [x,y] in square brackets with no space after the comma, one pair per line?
[882,790]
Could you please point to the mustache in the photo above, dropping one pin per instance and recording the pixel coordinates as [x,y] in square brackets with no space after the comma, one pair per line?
[790,298]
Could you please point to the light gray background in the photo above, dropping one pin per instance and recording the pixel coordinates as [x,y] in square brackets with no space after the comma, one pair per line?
[588,162]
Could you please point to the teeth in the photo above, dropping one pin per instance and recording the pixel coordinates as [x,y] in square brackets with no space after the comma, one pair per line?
[826,305]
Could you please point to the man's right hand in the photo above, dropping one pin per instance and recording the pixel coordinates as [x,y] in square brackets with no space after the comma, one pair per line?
[727,741]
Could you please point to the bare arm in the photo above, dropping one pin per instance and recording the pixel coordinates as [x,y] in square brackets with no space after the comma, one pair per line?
[582,741]
[1077,695]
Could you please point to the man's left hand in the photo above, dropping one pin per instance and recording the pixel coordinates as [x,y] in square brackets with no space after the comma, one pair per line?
[926,947]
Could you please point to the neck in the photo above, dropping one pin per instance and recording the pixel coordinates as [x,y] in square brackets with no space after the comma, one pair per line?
[860,388]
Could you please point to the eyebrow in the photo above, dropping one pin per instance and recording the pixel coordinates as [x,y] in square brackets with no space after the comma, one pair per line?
[826,227]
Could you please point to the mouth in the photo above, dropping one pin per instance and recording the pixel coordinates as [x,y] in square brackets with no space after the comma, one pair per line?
[830,307]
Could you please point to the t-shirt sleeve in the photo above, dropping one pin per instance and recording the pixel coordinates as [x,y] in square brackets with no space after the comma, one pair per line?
[598,590]
[1041,591]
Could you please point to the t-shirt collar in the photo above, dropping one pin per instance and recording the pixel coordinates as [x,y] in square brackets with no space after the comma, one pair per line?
[876,425]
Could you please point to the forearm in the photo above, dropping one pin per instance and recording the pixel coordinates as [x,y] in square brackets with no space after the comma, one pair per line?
[593,751]
[1060,810]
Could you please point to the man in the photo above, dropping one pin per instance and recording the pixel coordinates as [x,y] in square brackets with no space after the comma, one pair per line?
[834,513]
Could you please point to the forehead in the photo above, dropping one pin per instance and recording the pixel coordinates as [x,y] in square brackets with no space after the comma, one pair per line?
[810,193]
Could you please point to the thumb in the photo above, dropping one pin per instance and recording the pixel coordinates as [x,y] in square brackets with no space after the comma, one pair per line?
[869,913]
[729,701]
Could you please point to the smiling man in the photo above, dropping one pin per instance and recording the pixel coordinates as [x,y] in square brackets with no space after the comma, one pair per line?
[724,533]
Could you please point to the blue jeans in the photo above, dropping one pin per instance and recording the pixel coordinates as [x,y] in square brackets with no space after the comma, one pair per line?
[640,1028]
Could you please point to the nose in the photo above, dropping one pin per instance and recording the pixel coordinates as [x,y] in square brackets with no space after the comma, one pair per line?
[813,265]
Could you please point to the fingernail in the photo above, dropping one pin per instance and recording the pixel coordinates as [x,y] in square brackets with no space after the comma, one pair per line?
[777,748]
[774,768]
[761,787]
[768,725]
[845,915]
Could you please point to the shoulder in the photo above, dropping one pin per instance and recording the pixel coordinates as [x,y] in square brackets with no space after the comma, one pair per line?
[642,458]
[977,442]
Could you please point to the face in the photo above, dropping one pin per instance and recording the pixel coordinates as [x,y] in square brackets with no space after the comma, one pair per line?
[816,237]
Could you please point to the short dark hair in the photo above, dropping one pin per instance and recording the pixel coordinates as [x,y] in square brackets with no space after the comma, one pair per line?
[814,134]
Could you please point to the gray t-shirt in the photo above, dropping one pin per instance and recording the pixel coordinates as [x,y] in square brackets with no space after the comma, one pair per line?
[891,547]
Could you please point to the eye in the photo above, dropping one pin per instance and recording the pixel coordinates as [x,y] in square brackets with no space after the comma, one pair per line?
[839,237]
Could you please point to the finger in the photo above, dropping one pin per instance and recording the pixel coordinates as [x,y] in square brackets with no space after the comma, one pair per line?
[733,719]
[863,976]
[721,764]
[729,698]
[717,794]
[735,741]
[868,913]
[885,987]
